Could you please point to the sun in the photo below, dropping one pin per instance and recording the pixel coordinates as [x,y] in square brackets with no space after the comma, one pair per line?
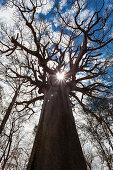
[60,76]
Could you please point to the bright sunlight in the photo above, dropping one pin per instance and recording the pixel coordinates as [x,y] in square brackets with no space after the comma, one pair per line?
[60,76]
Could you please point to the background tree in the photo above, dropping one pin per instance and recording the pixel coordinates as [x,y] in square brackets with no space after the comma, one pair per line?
[102,133]
[74,38]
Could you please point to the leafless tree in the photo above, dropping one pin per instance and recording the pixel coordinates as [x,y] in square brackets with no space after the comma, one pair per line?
[37,52]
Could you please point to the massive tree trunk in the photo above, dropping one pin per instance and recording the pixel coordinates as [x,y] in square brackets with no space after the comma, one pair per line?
[56,145]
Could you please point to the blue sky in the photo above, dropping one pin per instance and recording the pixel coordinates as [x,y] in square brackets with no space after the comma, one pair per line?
[3,2]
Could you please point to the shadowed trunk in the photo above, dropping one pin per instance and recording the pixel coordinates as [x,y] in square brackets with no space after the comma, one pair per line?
[56,145]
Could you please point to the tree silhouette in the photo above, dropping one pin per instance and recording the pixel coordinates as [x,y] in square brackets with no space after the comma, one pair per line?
[74,40]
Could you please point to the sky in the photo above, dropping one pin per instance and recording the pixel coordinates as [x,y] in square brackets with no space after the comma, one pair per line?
[3,2]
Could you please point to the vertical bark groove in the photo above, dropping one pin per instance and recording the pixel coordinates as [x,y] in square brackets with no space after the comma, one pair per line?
[56,145]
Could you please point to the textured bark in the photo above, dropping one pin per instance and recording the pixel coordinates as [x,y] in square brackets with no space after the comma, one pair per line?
[56,145]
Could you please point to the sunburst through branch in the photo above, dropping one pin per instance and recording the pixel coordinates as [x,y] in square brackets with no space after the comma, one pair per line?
[60,76]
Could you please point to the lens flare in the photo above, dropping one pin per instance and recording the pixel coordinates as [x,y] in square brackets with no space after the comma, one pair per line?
[60,76]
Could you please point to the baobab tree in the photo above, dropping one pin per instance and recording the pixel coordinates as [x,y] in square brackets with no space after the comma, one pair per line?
[60,57]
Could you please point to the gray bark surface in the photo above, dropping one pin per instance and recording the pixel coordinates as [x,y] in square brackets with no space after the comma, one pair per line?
[56,145]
